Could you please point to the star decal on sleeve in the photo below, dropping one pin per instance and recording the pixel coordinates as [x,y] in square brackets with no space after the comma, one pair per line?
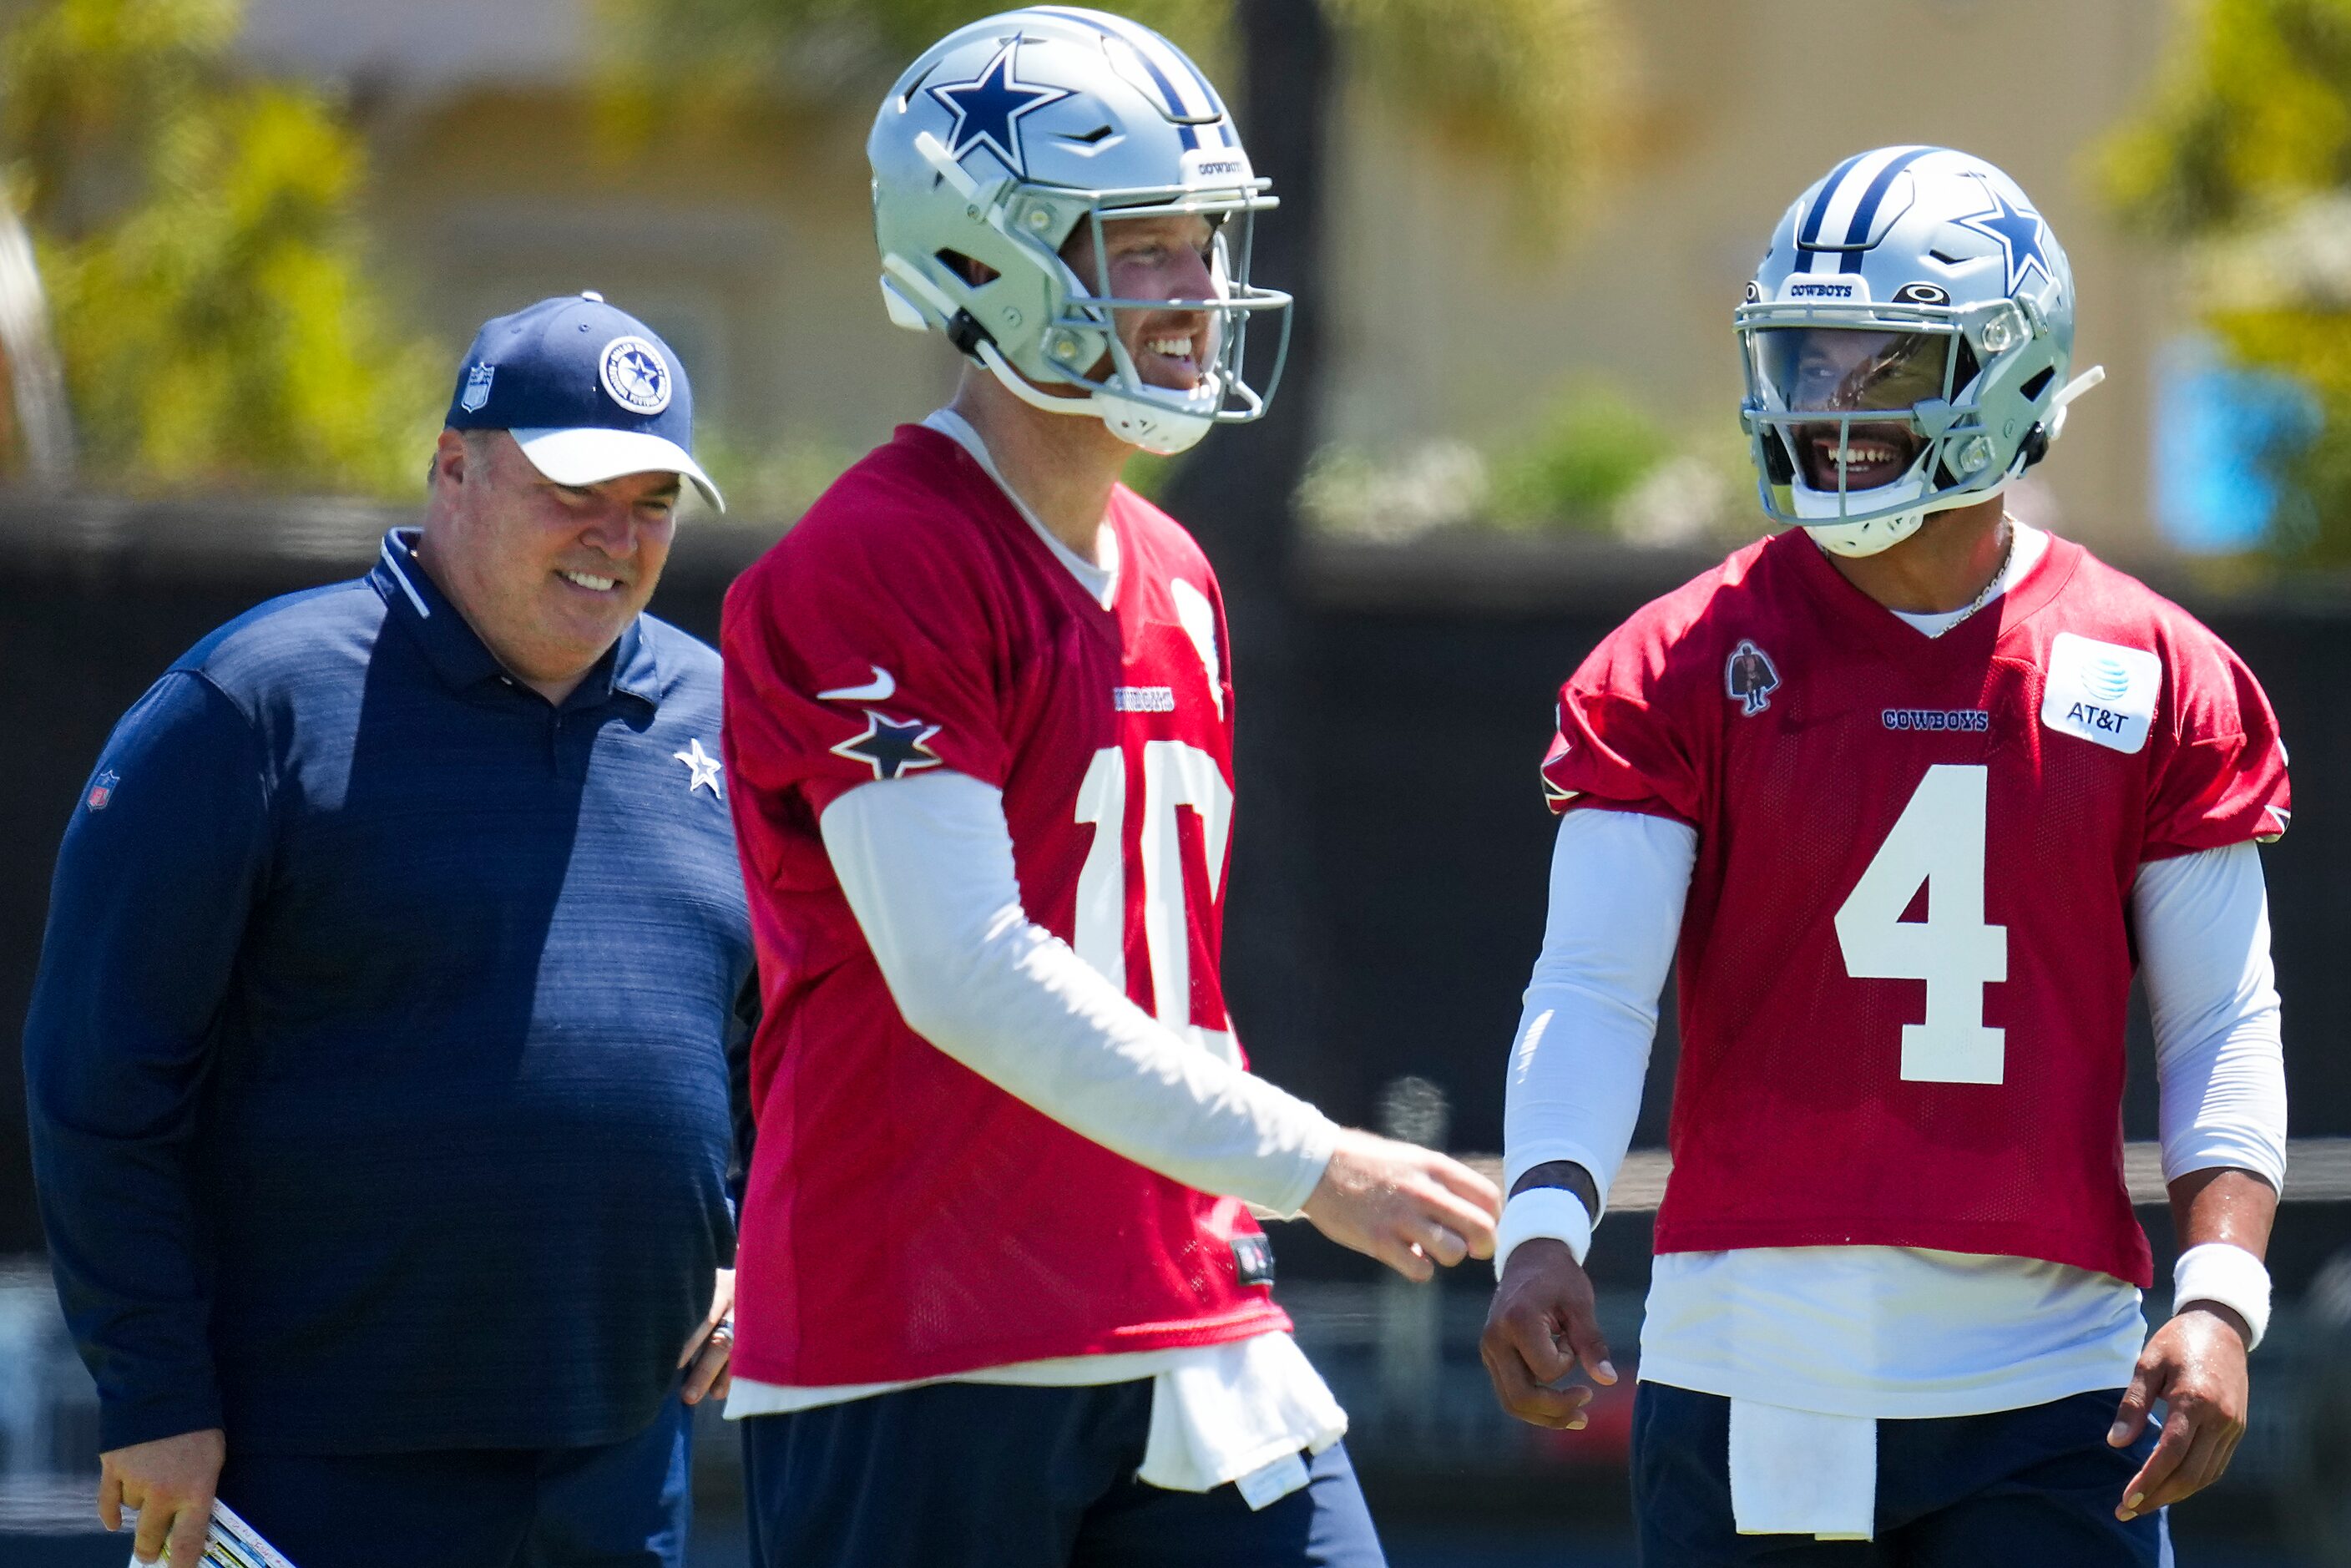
[890,747]
[2020,232]
[987,110]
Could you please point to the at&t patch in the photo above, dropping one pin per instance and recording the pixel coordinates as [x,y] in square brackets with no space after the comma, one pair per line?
[2102,691]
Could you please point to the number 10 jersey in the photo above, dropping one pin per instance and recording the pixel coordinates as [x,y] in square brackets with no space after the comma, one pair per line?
[906,1218]
[1904,959]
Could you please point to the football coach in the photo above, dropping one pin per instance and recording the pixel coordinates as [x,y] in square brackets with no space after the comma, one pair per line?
[378,1061]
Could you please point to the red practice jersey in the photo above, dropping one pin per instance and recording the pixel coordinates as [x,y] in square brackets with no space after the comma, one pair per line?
[1905,956]
[905,1219]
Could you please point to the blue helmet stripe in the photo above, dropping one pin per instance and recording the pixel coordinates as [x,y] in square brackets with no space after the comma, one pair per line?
[1806,240]
[1857,233]
[1148,48]
[1173,71]
[1813,219]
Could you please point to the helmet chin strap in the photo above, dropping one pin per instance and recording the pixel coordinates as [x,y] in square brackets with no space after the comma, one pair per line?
[1162,432]
[1855,540]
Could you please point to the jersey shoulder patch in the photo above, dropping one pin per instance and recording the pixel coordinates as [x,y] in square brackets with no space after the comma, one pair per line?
[2104,693]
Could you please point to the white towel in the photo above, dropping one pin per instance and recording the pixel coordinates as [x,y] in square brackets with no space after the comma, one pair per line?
[1799,1472]
[1242,1414]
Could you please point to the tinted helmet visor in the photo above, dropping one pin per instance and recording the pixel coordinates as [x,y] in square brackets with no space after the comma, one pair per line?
[1847,371]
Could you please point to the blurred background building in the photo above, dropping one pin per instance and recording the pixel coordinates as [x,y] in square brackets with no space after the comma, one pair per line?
[1457,314]
[255,235]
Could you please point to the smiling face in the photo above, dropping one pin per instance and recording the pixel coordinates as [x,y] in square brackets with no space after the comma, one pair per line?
[547,575]
[1165,255]
[1847,371]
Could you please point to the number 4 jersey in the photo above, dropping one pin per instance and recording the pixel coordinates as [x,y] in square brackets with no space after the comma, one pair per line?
[905,1219]
[1905,958]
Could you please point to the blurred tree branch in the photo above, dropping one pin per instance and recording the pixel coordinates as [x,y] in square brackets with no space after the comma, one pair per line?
[196,233]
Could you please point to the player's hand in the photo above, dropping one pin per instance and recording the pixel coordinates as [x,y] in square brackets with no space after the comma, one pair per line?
[170,1481]
[1540,1325]
[710,1348]
[1410,1208]
[2196,1364]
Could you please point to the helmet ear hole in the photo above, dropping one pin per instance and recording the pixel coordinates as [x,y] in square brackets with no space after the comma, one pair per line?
[970,269]
[2032,390]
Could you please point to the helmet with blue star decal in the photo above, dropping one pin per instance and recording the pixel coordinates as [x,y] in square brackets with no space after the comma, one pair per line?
[1907,341]
[1003,151]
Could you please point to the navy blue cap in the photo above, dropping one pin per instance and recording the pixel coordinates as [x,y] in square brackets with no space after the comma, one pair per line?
[587,391]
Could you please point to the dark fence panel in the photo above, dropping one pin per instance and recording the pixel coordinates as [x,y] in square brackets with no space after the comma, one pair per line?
[1435,671]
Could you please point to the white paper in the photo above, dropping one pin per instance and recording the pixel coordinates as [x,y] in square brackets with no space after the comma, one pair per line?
[233,1543]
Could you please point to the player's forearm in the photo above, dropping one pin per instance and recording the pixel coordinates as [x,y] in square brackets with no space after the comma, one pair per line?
[1617,886]
[2222,1218]
[926,865]
[2235,1206]
[1564,1174]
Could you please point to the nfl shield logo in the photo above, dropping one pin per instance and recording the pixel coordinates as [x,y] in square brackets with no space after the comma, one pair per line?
[477,388]
[101,789]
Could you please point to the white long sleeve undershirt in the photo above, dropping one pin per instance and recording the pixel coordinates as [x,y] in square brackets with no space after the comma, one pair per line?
[1875,1330]
[926,866]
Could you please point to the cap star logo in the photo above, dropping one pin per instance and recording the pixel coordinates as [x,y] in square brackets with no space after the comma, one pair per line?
[2020,232]
[988,108]
[636,375]
[890,747]
[701,768]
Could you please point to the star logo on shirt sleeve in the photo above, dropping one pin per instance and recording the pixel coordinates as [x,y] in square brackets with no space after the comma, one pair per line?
[701,768]
[890,747]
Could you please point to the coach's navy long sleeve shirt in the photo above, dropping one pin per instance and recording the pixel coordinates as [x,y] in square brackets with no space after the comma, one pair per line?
[377,1063]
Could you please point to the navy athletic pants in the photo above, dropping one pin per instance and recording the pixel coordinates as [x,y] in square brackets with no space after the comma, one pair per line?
[2031,1486]
[621,1505]
[966,1475]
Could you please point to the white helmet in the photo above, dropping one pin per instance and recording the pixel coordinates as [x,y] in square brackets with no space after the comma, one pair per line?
[1906,338]
[1004,137]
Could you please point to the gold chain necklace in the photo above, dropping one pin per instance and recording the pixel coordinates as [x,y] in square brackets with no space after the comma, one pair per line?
[2007,552]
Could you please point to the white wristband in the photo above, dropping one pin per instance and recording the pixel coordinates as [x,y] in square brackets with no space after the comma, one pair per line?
[2218,1272]
[1542,1211]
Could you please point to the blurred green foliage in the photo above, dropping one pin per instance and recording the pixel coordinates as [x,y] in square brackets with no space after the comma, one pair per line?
[1591,461]
[2247,123]
[770,479]
[1582,454]
[196,232]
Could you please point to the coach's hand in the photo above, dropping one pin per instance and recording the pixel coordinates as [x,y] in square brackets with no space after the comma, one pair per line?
[710,1348]
[1540,1325]
[2196,1364]
[170,1481]
[1410,1208]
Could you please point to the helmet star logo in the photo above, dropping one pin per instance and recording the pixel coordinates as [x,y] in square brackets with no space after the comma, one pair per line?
[2020,232]
[987,110]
